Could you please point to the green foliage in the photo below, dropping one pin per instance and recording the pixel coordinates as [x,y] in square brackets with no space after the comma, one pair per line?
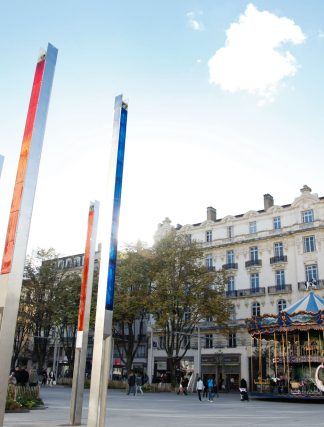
[67,300]
[133,279]
[184,292]
[49,300]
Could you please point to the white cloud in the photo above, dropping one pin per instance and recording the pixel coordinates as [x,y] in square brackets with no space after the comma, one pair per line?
[193,22]
[320,34]
[252,59]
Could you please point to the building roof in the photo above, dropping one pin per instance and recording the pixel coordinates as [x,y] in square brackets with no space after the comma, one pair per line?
[311,303]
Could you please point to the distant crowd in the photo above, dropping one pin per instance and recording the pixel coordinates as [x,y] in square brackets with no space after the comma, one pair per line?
[21,376]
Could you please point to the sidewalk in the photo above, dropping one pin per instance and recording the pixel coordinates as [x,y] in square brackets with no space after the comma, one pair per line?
[168,409]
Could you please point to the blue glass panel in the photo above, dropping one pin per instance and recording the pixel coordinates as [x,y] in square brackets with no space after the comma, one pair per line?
[116,210]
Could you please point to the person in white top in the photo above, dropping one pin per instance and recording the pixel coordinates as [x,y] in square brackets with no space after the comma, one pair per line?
[200,387]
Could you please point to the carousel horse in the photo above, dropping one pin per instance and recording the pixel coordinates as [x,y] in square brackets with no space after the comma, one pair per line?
[319,383]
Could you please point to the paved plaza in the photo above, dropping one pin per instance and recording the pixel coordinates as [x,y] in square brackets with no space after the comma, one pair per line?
[170,410]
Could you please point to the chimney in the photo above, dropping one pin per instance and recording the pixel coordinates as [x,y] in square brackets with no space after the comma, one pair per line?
[268,201]
[211,214]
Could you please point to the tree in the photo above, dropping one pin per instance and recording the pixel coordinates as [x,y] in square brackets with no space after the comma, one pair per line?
[183,293]
[131,301]
[24,328]
[42,277]
[67,300]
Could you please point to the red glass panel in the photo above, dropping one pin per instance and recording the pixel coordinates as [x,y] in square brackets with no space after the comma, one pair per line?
[21,171]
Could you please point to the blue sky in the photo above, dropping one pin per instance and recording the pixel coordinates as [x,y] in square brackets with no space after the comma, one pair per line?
[190,143]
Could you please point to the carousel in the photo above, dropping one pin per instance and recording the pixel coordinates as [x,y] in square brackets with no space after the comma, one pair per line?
[288,351]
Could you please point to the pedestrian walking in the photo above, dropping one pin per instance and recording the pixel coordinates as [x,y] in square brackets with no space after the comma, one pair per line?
[211,385]
[243,390]
[205,392]
[139,384]
[51,379]
[44,377]
[200,387]
[131,383]
[184,383]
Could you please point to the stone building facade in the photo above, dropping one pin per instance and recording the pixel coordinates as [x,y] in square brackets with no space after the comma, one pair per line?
[272,257]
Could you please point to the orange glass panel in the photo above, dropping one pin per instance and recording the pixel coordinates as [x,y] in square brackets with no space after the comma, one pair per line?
[21,171]
[85,272]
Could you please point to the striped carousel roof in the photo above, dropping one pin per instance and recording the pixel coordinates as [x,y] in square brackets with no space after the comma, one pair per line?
[311,303]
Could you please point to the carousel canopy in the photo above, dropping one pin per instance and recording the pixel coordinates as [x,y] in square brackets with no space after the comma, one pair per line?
[311,303]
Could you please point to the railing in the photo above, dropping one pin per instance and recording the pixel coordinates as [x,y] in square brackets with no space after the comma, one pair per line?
[278,258]
[307,286]
[253,262]
[230,266]
[249,292]
[282,289]
[210,267]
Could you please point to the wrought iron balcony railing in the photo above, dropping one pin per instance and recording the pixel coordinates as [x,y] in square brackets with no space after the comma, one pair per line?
[309,285]
[278,258]
[249,292]
[230,266]
[253,262]
[282,289]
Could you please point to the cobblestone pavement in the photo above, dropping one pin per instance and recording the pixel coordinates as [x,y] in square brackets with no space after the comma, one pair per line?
[170,410]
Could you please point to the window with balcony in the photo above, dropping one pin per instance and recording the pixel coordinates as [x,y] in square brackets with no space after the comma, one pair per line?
[277,223]
[209,236]
[252,227]
[278,249]
[308,216]
[256,309]
[230,231]
[232,339]
[280,279]
[209,262]
[311,273]
[209,341]
[254,253]
[281,305]
[309,244]
[231,285]
[230,257]
[254,281]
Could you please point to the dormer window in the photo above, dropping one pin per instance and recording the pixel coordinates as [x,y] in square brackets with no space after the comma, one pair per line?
[209,236]
[308,216]
[252,227]
[277,223]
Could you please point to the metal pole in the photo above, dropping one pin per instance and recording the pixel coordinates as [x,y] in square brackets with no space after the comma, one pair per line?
[105,378]
[151,359]
[106,285]
[199,351]
[21,211]
[84,316]
[55,354]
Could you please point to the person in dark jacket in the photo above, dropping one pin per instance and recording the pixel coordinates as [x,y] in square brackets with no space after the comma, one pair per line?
[131,383]
[243,390]
[184,383]
[22,377]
